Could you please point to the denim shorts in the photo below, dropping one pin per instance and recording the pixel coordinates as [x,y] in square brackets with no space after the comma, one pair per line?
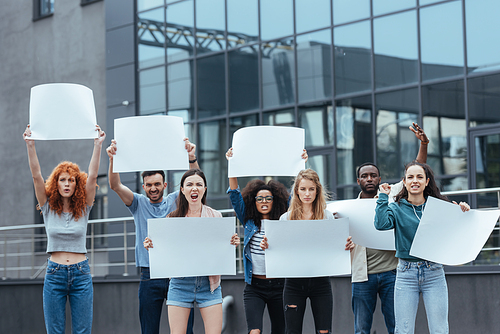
[185,291]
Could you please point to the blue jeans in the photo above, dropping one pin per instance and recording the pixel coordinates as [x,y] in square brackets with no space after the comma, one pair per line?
[426,278]
[152,294]
[68,281]
[364,300]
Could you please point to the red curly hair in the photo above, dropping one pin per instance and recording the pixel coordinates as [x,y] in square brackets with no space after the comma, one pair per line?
[78,202]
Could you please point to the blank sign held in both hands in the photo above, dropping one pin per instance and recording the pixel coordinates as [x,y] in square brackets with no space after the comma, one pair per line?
[62,111]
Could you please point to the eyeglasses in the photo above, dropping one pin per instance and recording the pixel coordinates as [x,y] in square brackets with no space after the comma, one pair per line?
[260,199]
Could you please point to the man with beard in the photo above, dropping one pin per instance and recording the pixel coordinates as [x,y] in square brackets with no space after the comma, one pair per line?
[374,271]
[152,292]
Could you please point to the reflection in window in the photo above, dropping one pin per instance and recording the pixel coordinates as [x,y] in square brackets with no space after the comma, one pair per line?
[147,4]
[212,148]
[321,164]
[396,144]
[353,131]
[278,74]
[352,10]
[311,17]
[45,7]
[387,6]
[180,31]
[279,118]
[318,125]
[395,50]
[487,161]
[444,123]
[211,86]
[210,26]
[242,22]
[180,90]
[352,58]
[442,49]
[314,70]
[150,38]
[483,46]
[276,19]
[484,99]
[243,79]
[237,123]
[152,91]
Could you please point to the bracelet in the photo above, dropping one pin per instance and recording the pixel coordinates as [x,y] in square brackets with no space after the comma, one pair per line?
[425,142]
[193,161]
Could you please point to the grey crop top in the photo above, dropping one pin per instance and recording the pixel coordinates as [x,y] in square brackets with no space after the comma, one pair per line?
[64,234]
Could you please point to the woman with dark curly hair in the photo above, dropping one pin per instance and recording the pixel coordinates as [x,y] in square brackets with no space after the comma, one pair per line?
[257,201]
[65,200]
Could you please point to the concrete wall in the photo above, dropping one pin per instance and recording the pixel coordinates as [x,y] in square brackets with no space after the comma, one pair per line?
[474,307]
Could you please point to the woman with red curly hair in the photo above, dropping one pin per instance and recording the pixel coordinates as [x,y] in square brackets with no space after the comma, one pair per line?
[65,200]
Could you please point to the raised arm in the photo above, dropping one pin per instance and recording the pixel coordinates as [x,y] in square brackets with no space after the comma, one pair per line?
[191,149]
[125,194]
[90,187]
[384,219]
[424,141]
[36,172]
[233,181]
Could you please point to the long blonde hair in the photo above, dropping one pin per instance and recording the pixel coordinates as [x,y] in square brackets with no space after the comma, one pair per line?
[319,203]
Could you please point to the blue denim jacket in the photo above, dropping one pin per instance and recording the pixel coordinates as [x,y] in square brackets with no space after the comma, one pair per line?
[250,229]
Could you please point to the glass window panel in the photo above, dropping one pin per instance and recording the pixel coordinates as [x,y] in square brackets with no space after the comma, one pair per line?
[396,144]
[242,22]
[180,31]
[312,16]
[386,6]
[352,10]
[354,136]
[212,147]
[321,164]
[147,4]
[180,90]
[243,79]
[318,125]
[278,73]
[444,123]
[426,2]
[237,123]
[442,49]
[347,192]
[353,65]
[314,67]
[211,86]
[151,41]
[483,46]
[487,162]
[276,18]
[152,91]
[396,54]
[484,99]
[46,7]
[281,118]
[210,26]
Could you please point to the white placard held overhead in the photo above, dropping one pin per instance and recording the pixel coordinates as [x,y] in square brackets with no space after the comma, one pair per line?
[361,214]
[62,111]
[150,143]
[307,248]
[186,247]
[267,151]
[449,236]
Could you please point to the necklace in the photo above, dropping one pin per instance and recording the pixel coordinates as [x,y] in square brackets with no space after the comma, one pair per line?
[415,211]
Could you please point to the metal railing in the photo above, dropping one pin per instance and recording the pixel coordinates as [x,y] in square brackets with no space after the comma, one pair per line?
[110,243]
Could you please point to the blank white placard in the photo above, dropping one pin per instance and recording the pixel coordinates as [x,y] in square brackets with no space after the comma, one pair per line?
[267,151]
[150,143]
[62,111]
[185,247]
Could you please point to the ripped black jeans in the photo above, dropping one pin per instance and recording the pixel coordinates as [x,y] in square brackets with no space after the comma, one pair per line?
[296,292]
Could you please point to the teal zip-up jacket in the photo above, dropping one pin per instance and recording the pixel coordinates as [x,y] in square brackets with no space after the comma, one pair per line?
[403,219]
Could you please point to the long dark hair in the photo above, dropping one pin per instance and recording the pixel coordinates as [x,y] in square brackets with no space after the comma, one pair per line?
[280,200]
[182,203]
[430,190]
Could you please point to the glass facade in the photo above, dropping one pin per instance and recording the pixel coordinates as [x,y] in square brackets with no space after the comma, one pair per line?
[354,74]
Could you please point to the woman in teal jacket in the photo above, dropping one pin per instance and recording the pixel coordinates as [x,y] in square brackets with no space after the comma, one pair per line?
[414,276]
